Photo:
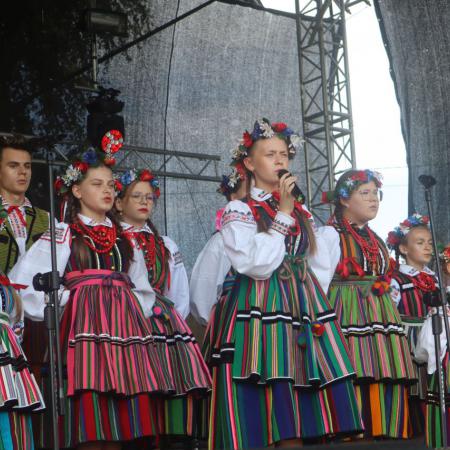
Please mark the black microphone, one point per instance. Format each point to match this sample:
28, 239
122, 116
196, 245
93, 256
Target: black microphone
296, 192
43, 282
427, 181
432, 298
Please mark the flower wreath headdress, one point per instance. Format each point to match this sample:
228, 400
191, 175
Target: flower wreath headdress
264, 129
445, 254
230, 183
91, 157
398, 233
125, 179
349, 184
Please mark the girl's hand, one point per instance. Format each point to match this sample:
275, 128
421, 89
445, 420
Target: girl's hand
287, 182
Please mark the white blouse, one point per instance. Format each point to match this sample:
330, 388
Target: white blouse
178, 292
325, 260
254, 254
240, 245
425, 351
38, 260
208, 275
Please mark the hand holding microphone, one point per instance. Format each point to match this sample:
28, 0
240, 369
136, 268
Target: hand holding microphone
289, 192
296, 191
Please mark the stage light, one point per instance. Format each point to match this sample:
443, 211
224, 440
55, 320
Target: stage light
102, 21
105, 127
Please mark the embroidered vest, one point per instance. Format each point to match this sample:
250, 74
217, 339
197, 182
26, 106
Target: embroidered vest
37, 224
411, 303
157, 262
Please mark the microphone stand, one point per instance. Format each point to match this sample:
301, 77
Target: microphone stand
50, 283
428, 182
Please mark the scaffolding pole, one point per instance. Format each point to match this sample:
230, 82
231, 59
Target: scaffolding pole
325, 97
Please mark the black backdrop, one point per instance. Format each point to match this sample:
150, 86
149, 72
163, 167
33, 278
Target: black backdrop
417, 38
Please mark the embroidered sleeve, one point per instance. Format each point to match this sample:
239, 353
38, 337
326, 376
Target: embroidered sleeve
282, 223
254, 254
62, 233
231, 215
38, 260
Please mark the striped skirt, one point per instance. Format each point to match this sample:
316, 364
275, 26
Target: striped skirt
280, 364
16, 431
178, 348
19, 393
112, 363
433, 429
380, 354
417, 393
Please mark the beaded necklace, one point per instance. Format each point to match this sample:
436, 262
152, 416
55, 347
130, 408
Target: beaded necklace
105, 237
369, 248
424, 282
147, 242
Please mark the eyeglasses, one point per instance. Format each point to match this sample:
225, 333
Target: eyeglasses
146, 198
369, 194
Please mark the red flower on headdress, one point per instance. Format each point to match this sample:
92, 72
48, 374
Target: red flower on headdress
112, 141
279, 127
247, 139
446, 254
393, 238
118, 186
425, 219
146, 175
58, 184
240, 169
81, 166
109, 161
359, 176
406, 223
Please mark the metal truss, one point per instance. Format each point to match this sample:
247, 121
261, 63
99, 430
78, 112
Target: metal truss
325, 102
194, 166
206, 167
325, 96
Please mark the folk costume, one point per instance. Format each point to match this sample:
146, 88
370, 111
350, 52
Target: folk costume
412, 291
357, 263
19, 392
212, 265
175, 343
20, 227
113, 370
279, 361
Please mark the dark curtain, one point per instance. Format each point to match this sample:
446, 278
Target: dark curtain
416, 34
